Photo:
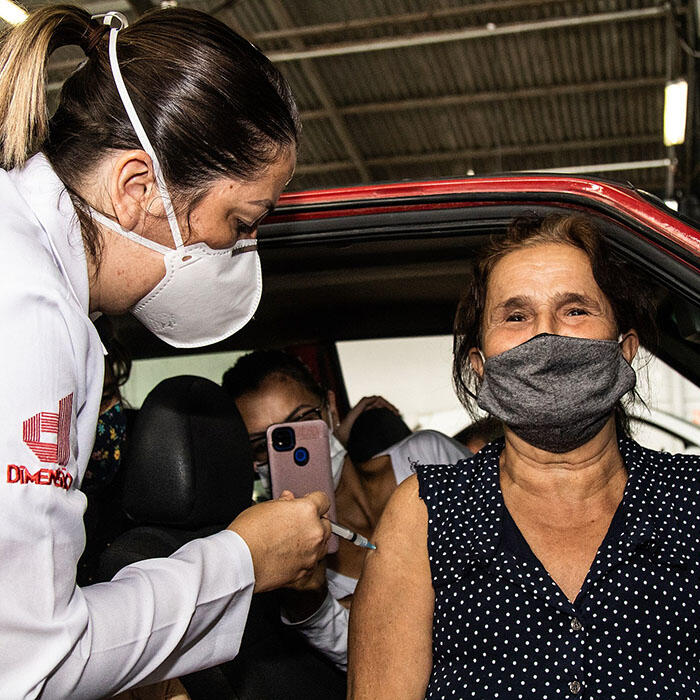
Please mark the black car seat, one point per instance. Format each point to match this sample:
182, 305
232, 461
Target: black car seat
188, 474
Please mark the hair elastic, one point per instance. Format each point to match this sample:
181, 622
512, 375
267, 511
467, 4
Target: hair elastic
107, 18
96, 34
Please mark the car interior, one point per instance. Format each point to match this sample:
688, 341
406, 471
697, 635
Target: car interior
339, 273
188, 473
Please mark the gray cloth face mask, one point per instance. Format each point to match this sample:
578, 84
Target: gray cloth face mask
556, 392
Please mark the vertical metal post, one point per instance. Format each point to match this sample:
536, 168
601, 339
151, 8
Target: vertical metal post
691, 141
670, 50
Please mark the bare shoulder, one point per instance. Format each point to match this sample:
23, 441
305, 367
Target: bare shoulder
402, 533
390, 653
400, 537
405, 509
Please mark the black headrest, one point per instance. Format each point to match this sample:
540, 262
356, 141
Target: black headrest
189, 462
373, 431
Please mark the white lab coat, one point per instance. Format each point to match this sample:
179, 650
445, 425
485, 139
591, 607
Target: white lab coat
156, 619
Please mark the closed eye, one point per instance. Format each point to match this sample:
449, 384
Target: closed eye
244, 229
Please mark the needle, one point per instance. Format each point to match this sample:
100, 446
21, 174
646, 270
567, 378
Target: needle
351, 536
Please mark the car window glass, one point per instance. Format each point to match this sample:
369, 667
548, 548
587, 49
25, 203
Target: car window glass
145, 374
671, 419
413, 373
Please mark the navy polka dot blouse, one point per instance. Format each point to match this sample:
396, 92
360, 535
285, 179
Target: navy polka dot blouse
503, 629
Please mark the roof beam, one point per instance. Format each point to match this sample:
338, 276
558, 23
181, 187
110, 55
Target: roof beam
312, 75
607, 167
404, 18
487, 96
439, 101
480, 153
466, 34
96, 7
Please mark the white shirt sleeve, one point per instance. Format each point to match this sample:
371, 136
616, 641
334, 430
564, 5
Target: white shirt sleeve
327, 630
156, 619
160, 618
424, 447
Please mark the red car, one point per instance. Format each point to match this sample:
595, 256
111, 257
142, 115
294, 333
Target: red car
390, 261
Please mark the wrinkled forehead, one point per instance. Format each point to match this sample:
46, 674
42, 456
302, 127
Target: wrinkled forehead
543, 271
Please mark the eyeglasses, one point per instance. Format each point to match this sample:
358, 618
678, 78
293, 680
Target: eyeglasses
258, 445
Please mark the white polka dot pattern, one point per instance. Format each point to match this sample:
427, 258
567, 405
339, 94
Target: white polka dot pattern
503, 629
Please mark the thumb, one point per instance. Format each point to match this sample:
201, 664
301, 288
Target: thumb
320, 501
286, 496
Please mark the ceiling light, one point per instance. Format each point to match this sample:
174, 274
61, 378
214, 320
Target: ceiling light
675, 108
11, 12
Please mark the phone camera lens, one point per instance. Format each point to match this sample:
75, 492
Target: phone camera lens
301, 456
283, 439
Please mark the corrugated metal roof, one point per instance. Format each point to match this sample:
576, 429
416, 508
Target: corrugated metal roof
503, 85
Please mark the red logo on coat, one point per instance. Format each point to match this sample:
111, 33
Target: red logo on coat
37, 432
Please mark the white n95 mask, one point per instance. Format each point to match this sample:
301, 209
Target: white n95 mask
206, 294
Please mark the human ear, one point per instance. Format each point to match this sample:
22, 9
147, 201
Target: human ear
629, 345
476, 360
132, 185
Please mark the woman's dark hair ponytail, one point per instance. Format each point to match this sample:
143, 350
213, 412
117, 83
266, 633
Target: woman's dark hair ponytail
25, 52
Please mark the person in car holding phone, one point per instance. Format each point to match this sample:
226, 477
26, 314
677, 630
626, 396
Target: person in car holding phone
562, 561
270, 387
142, 193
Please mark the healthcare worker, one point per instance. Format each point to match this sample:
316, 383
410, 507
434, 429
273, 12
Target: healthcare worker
149, 206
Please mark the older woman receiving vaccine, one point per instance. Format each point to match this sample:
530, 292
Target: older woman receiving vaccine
563, 560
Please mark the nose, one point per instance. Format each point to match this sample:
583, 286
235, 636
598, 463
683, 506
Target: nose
545, 322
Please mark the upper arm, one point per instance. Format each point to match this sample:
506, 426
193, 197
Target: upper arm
390, 640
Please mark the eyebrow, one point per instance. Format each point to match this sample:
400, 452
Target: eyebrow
266, 203
516, 302
574, 298
253, 437
560, 299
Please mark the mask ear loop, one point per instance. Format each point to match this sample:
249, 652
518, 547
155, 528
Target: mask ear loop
141, 240
136, 122
474, 372
621, 339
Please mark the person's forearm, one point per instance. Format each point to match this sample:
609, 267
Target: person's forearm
159, 619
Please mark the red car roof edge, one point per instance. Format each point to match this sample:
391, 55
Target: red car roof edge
617, 196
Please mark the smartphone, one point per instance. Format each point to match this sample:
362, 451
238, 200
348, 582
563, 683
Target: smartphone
300, 461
